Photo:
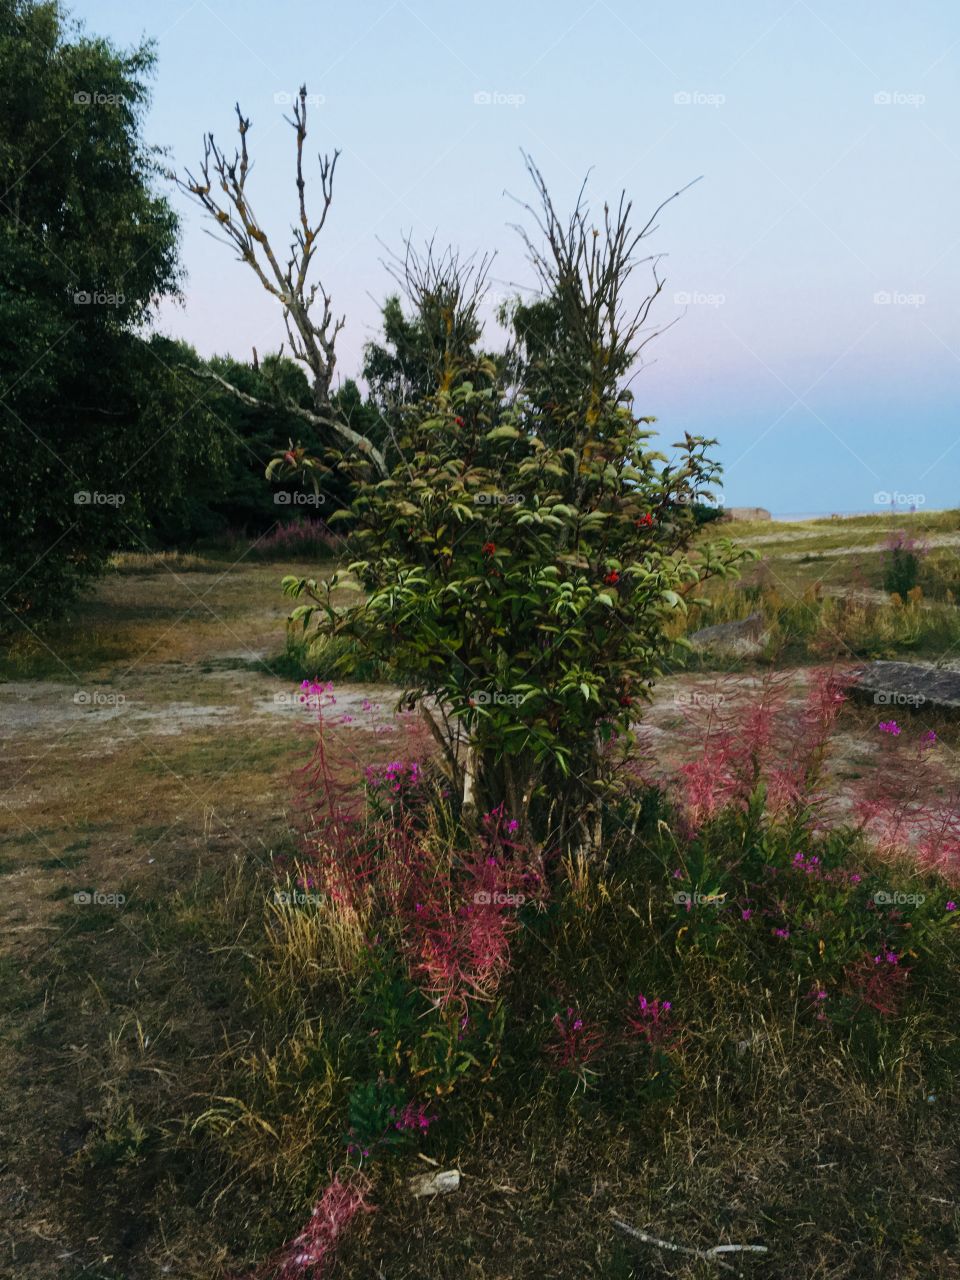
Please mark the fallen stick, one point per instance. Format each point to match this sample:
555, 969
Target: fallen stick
708, 1255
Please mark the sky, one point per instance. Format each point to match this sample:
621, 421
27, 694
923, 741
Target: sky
812, 271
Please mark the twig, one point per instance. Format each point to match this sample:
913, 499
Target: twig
708, 1255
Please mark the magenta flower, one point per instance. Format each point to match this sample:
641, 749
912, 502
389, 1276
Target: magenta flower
889, 726
653, 1022
951, 906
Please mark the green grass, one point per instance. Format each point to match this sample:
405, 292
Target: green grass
327, 658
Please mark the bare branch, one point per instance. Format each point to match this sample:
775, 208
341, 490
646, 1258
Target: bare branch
446, 292
221, 190
346, 434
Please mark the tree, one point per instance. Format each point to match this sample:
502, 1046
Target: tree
521, 561
92, 417
236, 497
221, 190
519, 544
441, 332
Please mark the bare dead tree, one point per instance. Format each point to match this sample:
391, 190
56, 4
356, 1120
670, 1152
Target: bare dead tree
221, 190
583, 270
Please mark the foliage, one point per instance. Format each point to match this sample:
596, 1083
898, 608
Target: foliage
902, 557
97, 426
523, 556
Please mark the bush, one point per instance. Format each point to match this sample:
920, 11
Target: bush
902, 557
522, 557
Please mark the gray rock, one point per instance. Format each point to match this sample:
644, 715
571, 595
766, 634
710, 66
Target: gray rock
899, 686
746, 513
744, 638
432, 1184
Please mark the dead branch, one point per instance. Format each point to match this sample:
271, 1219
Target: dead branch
222, 191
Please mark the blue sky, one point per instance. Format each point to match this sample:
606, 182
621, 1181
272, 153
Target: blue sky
813, 271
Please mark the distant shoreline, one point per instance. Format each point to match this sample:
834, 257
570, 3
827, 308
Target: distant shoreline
787, 517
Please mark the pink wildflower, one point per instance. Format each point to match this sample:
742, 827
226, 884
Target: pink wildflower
316, 1244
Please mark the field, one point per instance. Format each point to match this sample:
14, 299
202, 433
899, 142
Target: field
180, 1059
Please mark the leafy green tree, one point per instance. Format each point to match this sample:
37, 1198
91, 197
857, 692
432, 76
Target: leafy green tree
93, 417
522, 560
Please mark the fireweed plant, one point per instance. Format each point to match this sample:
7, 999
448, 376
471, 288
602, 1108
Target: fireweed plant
770, 858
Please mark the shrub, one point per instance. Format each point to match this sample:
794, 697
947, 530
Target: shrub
902, 556
523, 556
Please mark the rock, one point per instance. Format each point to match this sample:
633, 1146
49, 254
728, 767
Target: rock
742, 639
746, 513
898, 686
431, 1184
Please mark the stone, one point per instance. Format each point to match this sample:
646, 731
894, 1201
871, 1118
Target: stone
746, 513
432, 1184
900, 686
744, 638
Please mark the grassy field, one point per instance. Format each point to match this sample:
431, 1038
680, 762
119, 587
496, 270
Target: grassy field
181, 1061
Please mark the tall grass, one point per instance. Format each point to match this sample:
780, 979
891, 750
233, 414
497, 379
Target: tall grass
813, 625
